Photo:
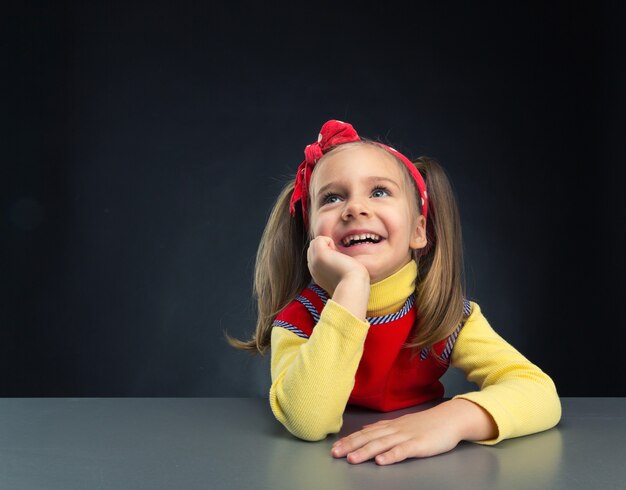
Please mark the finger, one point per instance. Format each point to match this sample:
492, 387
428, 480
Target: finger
326, 242
412, 448
374, 448
364, 431
357, 440
320, 245
394, 455
322, 240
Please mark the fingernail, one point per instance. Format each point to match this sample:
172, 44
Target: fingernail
353, 458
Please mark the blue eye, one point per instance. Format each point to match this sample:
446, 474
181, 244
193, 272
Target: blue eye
330, 198
380, 192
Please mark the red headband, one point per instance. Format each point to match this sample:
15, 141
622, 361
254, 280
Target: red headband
335, 133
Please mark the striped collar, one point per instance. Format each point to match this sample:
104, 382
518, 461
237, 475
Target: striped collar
389, 295
372, 320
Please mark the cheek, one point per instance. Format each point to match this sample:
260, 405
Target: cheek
314, 224
319, 228
409, 223
322, 224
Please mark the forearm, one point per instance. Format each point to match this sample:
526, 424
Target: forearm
353, 293
519, 396
518, 406
312, 379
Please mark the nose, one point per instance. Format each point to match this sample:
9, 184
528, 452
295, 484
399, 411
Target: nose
355, 207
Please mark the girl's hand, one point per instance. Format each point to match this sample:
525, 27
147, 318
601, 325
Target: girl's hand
345, 278
417, 435
329, 267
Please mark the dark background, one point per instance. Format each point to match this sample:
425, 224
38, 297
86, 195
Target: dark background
143, 147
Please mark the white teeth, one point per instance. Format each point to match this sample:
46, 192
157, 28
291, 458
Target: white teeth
363, 236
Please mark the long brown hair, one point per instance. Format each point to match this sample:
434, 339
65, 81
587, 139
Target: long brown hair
439, 287
281, 270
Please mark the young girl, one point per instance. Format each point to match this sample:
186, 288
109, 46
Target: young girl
358, 278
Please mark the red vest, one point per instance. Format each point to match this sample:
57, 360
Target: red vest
389, 377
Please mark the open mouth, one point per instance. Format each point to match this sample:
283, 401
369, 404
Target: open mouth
351, 240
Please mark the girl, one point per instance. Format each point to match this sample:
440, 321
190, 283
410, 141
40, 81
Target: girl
358, 279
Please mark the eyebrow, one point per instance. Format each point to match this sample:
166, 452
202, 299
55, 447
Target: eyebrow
371, 180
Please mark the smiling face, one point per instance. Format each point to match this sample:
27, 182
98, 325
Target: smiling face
361, 199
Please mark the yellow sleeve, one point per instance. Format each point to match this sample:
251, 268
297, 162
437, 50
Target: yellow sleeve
520, 397
312, 379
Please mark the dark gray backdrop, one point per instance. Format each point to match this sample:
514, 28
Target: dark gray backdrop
143, 147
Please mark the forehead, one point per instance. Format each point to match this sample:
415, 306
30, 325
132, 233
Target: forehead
353, 161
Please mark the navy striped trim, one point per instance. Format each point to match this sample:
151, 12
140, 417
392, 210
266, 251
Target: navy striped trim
310, 308
319, 291
447, 350
372, 320
467, 307
290, 327
378, 320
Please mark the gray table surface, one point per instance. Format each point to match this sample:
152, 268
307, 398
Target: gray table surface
235, 443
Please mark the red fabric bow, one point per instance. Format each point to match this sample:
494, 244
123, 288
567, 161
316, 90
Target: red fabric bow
335, 133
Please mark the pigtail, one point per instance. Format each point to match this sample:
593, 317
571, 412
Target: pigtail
439, 290
280, 272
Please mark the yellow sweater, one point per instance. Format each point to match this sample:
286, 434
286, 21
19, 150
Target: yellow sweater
312, 378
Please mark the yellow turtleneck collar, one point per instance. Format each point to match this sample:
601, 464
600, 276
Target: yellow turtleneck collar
390, 294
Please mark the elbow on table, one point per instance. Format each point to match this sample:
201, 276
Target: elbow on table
550, 403
556, 409
308, 425
307, 432
546, 409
